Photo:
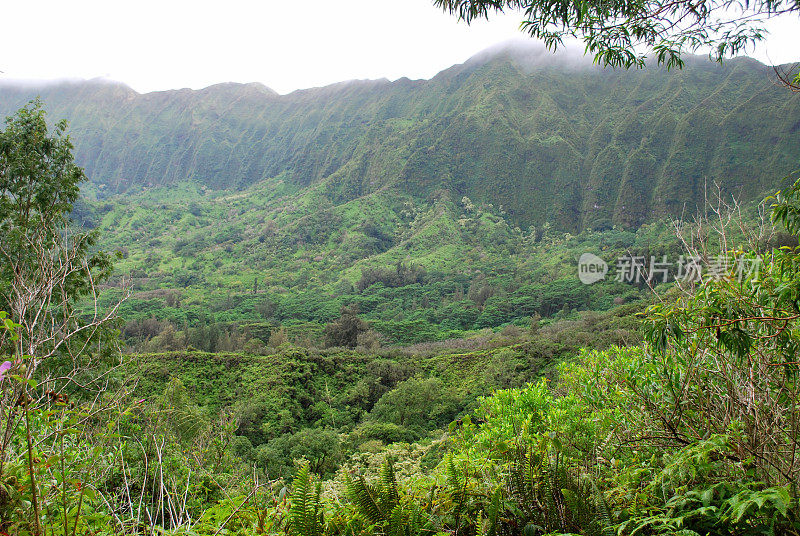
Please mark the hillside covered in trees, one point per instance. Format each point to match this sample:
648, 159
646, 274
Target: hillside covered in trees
550, 138
438, 207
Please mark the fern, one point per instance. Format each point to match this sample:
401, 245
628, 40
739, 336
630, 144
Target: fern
381, 505
493, 515
376, 502
458, 484
366, 499
547, 497
603, 516
306, 515
389, 483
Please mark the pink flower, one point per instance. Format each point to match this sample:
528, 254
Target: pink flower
4, 368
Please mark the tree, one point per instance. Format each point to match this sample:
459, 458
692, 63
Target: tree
49, 271
321, 448
621, 33
48, 267
723, 355
417, 404
345, 330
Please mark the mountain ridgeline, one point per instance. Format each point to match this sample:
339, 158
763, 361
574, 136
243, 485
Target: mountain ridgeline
548, 138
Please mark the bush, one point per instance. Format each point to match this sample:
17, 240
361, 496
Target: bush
345, 331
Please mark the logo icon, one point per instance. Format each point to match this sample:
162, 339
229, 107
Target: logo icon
591, 268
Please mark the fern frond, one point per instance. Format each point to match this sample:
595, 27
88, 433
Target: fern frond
494, 512
603, 515
366, 499
389, 483
306, 515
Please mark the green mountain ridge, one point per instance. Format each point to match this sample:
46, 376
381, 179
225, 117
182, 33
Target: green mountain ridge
547, 138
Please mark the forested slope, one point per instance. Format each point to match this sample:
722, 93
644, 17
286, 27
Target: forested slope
550, 139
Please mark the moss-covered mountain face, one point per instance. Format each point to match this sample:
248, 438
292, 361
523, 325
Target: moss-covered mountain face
548, 138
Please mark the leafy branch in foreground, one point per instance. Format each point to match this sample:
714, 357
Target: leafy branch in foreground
727, 355
615, 31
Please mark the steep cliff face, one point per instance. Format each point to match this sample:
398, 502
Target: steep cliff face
550, 138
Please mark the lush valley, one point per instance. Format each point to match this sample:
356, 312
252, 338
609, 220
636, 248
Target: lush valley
356, 310
294, 402
416, 271
438, 207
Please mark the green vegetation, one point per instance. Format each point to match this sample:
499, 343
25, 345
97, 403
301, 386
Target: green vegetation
685, 434
336, 402
340, 341
550, 139
232, 291
438, 208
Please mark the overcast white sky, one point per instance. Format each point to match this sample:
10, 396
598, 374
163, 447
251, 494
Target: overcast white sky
164, 44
